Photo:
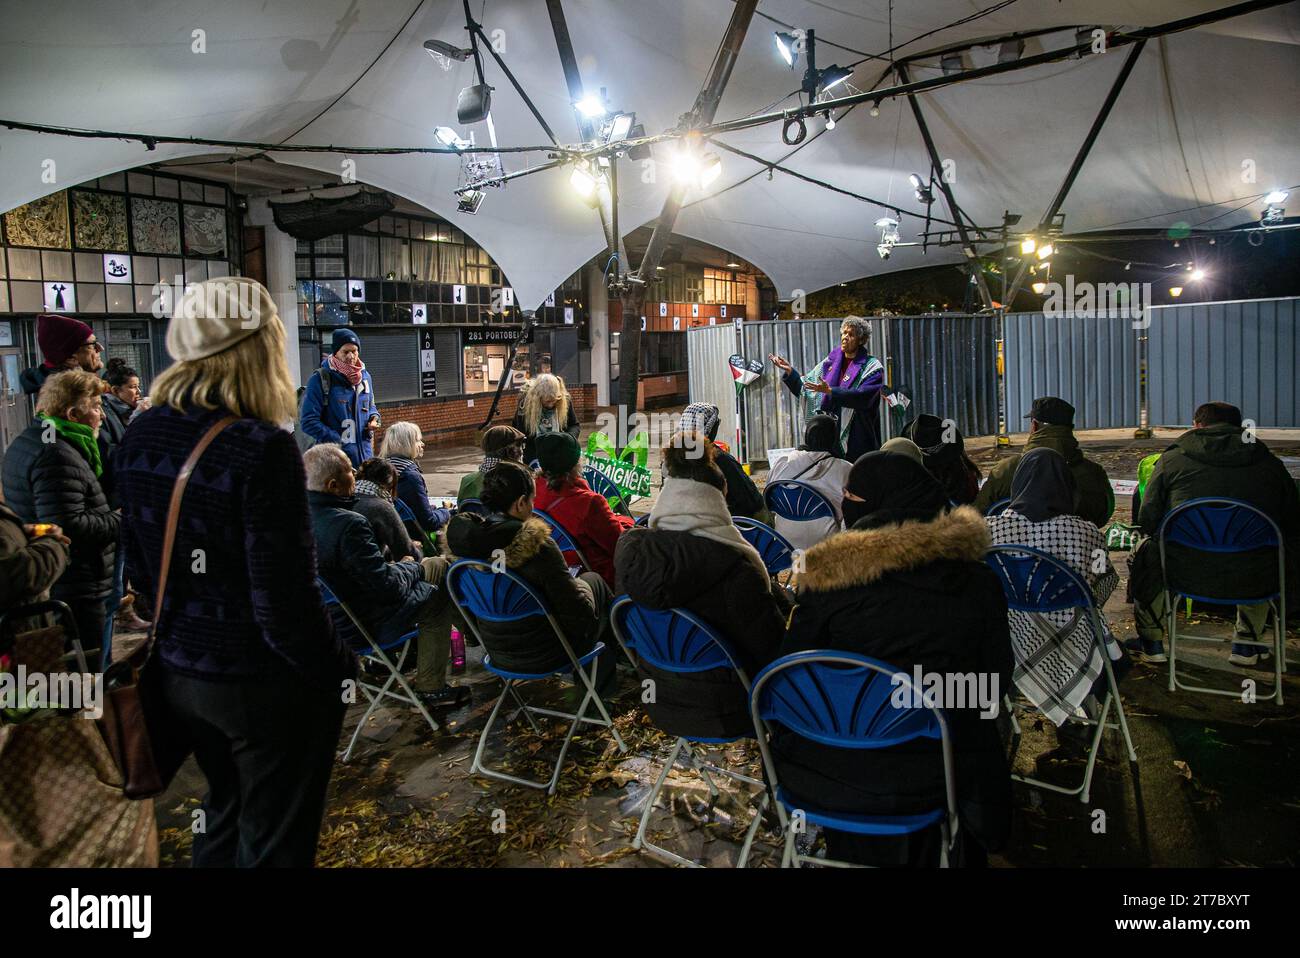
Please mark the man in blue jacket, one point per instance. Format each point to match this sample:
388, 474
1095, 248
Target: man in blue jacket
339, 404
388, 597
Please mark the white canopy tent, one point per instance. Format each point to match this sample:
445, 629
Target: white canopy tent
1202, 110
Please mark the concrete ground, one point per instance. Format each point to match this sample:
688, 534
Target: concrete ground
1217, 781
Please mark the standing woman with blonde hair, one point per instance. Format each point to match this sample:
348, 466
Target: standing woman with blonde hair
544, 407
251, 670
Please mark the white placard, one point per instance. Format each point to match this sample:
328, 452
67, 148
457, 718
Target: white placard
427, 364
643, 324
713, 320
6, 334
356, 291
60, 297
550, 300
419, 313
663, 309
458, 295
736, 323
507, 296
117, 268
568, 315
1124, 487
695, 309
677, 324
722, 311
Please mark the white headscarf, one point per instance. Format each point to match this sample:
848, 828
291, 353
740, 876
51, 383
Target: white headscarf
685, 505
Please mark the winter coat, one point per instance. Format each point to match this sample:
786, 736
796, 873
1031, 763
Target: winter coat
587, 518
916, 593
251, 611
1094, 500
571, 426
388, 597
323, 418
116, 416
53, 482
718, 585
743, 497
1218, 461
471, 486
33, 379
412, 491
28, 567
526, 645
825, 473
387, 526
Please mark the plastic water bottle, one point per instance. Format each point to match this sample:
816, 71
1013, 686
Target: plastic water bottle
457, 652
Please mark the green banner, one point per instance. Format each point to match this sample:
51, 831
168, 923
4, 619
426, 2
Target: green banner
630, 478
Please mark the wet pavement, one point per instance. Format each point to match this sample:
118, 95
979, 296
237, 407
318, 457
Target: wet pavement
1217, 780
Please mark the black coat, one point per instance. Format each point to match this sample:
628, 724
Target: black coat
527, 645
718, 585
918, 593
53, 482
33, 378
388, 597
255, 612
743, 497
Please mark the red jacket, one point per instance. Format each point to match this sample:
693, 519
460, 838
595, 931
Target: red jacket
586, 517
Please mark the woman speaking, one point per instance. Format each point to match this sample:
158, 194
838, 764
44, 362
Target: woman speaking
847, 386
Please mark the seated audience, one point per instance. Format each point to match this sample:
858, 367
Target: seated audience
819, 463
691, 556
905, 447
1051, 426
906, 584
1057, 669
545, 406
580, 604
1217, 458
564, 495
376, 489
389, 597
52, 474
743, 497
402, 445
499, 442
943, 452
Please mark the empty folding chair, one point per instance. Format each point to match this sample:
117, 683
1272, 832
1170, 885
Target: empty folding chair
482, 595
566, 542
997, 508
775, 549
674, 640
846, 700
1037, 583
370, 649
1223, 527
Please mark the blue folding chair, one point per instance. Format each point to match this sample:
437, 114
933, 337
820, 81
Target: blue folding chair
602, 486
846, 700
674, 640
350, 628
643, 520
797, 501
562, 538
1223, 527
996, 509
775, 549
1037, 582
484, 595
472, 506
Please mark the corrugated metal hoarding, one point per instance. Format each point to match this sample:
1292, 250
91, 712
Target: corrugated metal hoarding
1091, 362
1246, 353
947, 364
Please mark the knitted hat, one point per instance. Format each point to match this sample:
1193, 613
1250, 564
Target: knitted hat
701, 417
342, 336
60, 336
557, 452
216, 314
500, 438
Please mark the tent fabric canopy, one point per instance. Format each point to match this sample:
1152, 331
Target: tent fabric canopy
1204, 125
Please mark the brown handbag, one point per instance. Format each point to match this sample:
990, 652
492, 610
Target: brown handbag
145, 742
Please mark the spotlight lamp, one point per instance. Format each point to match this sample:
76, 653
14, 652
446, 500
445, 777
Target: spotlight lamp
449, 137
1277, 197
1028, 245
582, 181
1175, 291
1046, 250
832, 76
1197, 275
1039, 287
468, 201
619, 127
787, 45
474, 104
441, 48
590, 106
922, 191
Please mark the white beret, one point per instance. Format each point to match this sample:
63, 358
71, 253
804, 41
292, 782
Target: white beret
216, 314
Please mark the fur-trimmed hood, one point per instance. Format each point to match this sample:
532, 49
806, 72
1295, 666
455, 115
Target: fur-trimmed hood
471, 536
860, 557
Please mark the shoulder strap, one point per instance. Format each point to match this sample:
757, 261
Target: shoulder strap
174, 512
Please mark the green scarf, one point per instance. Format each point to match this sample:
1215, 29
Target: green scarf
83, 437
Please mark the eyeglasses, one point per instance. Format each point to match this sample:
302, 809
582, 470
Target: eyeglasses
95, 345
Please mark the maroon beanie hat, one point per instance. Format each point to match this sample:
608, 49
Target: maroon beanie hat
60, 336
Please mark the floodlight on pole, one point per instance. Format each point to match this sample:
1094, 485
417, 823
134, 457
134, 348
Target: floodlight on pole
590, 106
1028, 245
1175, 291
832, 76
619, 127
1046, 250
1038, 287
441, 48
1197, 275
1277, 197
583, 183
787, 45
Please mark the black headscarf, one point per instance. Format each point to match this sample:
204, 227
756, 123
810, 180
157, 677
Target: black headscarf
822, 434
893, 488
1043, 486
947, 461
